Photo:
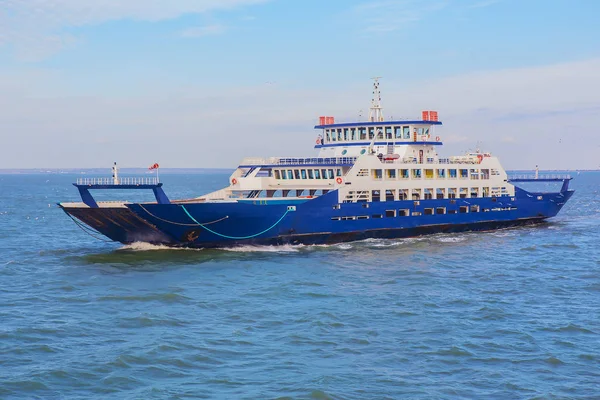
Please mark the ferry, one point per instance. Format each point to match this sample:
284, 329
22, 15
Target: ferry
373, 179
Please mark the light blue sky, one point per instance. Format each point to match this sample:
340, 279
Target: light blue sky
203, 83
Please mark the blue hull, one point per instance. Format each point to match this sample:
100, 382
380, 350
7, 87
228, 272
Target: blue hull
322, 221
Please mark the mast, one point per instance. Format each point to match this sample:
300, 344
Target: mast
376, 112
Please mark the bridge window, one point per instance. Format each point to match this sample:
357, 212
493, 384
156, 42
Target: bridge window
327, 135
290, 174
340, 135
363, 133
338, 172
303, 173
388, 132
353, 134
377, 174
371, 133
317, 174
323, 174
297, 174
277, 175
474, 174
379, 133
441, 173
485, 174
346, 134
406, 132
310, 174
398, 132
330, 173
452, 173
464, 173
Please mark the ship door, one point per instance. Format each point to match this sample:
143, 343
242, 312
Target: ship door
420, 156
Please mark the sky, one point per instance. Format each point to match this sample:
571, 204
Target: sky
205, 83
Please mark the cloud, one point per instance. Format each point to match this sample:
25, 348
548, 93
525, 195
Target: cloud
392, 15
200, 31
36, 27
550, 111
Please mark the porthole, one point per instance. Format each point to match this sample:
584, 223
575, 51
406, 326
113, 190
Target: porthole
363, 151
344, 152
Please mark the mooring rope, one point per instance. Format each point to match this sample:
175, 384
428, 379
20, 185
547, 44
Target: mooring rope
182, 224
235, 237
88, 230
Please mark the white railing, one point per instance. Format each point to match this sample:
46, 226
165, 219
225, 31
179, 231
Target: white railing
121, 181
544, 176
276, 161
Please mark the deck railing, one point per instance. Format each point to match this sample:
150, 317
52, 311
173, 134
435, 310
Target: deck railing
276, 161
121, 181
541, 176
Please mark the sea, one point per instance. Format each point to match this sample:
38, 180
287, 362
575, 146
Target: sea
507, 314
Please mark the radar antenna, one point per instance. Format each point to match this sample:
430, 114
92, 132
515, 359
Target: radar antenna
376, 112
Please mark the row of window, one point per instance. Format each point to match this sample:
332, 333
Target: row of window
354, 196
382, 132
323, 173
426, 211
431, 173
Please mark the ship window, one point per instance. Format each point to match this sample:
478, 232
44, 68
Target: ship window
464, 173
390, 194
474, 192
362, 217
428, 174
336, 206
441, 173
333, 135
346, 130
352, 133
303, 173
340, 135
416, 173
348, 218
365, 205
327, 135
464, 209
390, 173
377, 216
428, 211
330, 173
440, 193
426, 131
406, 131
463, 193
338, 172
420, 131
440, 210
379, 133
377, 174
375, 195
428, 194
390, 213
323, 174
485, 174
277, 176
297, 174
474, 209
388, 132
363, 133
416, 214
310, 174
398, 132
451, 193
317, 174
403, 213
474, 174
290, 174
336, 218
371, 133
404, 174
403, 194
451, 211
452, 173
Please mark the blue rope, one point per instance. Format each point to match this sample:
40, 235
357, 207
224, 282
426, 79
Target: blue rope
235, 237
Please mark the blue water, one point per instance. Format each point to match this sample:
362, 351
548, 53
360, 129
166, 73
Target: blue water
509, 314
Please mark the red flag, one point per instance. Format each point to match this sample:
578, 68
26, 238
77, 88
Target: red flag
153, 166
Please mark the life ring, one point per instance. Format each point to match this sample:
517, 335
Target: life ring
233, 181
480, 157
319, 139
338, 180
437, 138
